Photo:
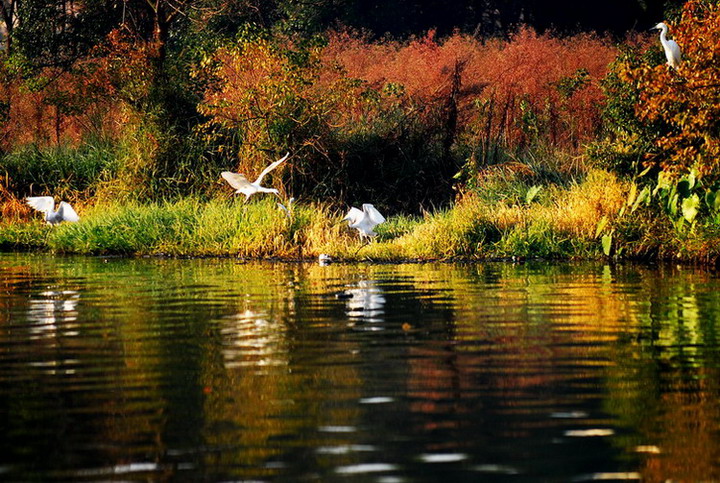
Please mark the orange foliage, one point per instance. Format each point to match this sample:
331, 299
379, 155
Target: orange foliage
687, 101
94, 97
276, 101
530, 84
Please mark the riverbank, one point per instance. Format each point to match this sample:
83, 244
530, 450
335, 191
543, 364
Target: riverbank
582, 220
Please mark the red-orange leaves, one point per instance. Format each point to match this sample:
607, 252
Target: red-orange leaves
686, 101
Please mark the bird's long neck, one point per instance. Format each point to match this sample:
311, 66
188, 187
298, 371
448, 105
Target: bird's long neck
663, 34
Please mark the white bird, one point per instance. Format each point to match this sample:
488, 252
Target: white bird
46, 204
364, 221
242, 185
671, 48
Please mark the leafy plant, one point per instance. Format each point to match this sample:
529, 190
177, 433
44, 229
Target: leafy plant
683, 104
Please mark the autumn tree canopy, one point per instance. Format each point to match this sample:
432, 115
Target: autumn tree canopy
683, 105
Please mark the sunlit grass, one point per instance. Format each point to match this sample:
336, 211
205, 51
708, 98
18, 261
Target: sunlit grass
560, 222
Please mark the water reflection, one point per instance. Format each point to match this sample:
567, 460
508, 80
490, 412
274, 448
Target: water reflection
365, 301
252, 339
51, 309
220, 370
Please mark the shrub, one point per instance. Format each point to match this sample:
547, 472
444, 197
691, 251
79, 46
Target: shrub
683, 105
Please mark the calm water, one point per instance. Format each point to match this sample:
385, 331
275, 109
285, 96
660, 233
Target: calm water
117, 369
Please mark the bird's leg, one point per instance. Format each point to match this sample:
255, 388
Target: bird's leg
367, 242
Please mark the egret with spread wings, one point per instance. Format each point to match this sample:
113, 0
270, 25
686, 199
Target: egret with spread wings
242, 185
46, 204
364, 220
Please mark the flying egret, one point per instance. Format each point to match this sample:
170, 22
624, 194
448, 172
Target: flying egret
242, 185
671, 48
364, 221
46, 204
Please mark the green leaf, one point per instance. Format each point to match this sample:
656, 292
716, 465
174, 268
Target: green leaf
672, 205
607, 243
643, 196
644, 172
601, 226
632, 194
532, 193
690, 207
710, 198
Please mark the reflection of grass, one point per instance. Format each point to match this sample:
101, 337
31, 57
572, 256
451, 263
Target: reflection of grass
560, 222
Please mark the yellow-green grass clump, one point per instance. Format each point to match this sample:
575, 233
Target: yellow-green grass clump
560, 222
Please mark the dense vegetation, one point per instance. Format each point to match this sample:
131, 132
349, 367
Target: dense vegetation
493, 139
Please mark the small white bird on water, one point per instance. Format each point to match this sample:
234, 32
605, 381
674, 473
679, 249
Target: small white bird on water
671, 48
364, 221
242, 185
46, 204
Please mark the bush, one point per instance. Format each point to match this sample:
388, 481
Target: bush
677, 111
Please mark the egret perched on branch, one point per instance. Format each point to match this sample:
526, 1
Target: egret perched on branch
364, 221
671, 48
46, 204
242, 185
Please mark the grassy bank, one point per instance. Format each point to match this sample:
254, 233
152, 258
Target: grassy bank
514, 220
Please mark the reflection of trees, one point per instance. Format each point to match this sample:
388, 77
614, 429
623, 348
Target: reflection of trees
220, 369
665, 385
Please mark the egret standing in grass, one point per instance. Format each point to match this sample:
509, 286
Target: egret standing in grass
242, 185
364, 221
46, 204
671, 48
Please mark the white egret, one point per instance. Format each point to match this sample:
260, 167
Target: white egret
364, 221
242, 185
671, 48
46, 204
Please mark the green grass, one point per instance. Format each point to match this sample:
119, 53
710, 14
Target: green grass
62, 170
560, 223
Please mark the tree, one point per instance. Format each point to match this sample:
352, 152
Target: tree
684, 104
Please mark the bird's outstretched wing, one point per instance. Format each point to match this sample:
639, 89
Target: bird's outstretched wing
373, 214
67, 213
236, 180
272, 166
354, 215
46, 204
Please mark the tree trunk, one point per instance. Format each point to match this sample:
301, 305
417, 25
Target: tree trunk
7, 9
160, 31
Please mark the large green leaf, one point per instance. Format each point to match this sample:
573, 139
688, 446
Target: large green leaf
643, 196
690, 207
607, 243
601, 226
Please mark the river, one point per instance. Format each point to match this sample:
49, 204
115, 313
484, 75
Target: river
222, 370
